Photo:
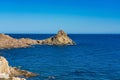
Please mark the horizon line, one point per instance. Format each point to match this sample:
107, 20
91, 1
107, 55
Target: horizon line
56, 33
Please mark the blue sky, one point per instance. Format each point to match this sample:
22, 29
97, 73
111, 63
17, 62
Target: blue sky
48, 16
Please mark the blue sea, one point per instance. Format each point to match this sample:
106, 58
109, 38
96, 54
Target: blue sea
95, 57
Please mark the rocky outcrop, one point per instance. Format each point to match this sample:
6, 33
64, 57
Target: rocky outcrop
59, 39
12, 73
17, 72
8, 42
4, 67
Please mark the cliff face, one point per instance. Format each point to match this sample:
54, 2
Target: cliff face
60, 38
10, 73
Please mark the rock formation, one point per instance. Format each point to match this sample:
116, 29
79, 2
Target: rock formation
59, 39
12, 73
8, 42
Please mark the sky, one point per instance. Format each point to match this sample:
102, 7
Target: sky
49, 16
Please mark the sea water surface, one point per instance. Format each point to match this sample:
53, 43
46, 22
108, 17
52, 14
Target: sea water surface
95, 57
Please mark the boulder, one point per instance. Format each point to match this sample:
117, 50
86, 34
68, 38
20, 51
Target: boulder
4, 67
12, 73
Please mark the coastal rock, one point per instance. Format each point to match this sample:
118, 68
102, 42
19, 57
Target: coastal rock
12, 78
61, 38
17, 72
4, 67
16, 78
12, 73
8, 42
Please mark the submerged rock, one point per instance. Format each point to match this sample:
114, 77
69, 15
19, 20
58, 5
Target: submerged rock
60, 38
51, 77
12, 73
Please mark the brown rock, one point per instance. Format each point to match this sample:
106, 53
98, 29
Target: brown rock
60, 38
4, 67
3, 36
16, 78
17, 72
13, 78
12, 73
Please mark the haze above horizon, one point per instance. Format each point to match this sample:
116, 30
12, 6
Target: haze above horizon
49, 16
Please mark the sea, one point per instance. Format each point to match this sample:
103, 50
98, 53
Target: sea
94, 57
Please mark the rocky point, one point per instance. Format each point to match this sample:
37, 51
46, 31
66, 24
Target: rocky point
61, 38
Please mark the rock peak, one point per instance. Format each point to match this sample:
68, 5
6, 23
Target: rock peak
60, 38
61, 33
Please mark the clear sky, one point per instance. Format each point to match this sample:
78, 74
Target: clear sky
48, 16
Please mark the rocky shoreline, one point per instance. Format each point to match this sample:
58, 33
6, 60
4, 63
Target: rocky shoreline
12, 73
61, 38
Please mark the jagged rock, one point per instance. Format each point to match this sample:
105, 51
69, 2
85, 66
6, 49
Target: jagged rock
12, 73
60, 38
4, 67
17, 72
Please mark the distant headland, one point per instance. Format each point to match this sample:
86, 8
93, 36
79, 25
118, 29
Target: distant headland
61, 38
